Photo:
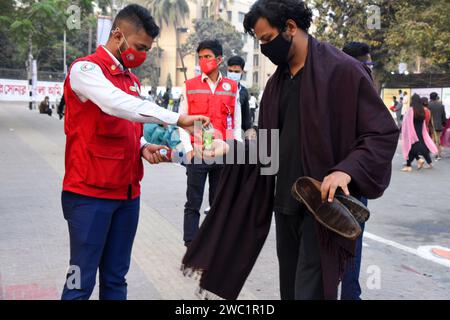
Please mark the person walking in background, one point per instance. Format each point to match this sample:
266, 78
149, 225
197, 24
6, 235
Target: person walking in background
439, 119
399, 112
150, 96
428, 122
61, 107
236, 67
415, 138
445, 137
405, 101
166, 98
394, 104
253, 103
397, 109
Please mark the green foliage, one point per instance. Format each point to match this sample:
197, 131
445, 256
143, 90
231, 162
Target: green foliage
168, 12
411, 31
221, 30
42, 24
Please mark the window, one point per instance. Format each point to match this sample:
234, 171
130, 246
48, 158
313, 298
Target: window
205, 12
230, 16
256, 60
256, 44
255, 78
241, 17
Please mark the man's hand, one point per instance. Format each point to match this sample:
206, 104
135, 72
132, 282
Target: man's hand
331, 183
150, 152
219, 148
187, 122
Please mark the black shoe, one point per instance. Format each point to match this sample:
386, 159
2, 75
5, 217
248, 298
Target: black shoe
335, 215
356, 207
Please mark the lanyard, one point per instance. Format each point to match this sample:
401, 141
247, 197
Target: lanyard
229, 118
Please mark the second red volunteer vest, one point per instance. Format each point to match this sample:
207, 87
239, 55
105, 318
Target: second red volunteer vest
102, 152
218, 106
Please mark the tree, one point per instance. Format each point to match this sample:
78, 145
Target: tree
32, 35
38, 28
425, 45
221, 30
9, 54
342, 21
411, 31
171, 12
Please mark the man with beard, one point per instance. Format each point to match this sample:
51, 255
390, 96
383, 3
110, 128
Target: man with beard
333, 127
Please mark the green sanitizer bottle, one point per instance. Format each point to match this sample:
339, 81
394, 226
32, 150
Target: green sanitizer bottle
208, 136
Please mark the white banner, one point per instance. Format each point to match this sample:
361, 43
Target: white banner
104, 25
446, 100
18, 90
425, 92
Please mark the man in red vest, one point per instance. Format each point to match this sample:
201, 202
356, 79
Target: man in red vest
104, 146
212, 95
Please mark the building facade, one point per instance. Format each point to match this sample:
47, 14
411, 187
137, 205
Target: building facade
258, 68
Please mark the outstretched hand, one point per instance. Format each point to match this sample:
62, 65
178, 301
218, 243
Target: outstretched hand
151, 153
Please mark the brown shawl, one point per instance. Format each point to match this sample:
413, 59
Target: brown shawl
344, 126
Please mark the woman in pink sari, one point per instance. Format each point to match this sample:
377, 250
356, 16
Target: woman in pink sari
416, 140
445, 137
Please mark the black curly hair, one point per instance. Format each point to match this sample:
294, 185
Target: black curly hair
277, 12
356, 49
139, 17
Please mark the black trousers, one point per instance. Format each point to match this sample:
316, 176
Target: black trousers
298, 257
252, 116
418, 149
196, 179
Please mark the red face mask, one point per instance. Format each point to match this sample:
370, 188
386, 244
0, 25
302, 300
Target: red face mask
132, 58
208, 65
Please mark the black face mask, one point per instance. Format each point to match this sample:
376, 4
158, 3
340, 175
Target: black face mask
277, 50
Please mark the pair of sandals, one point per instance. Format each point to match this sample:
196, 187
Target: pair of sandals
420, 165
342, 216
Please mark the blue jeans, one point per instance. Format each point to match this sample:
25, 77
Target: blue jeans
101, 237
351, 289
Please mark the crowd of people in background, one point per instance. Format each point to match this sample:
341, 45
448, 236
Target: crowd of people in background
422, 126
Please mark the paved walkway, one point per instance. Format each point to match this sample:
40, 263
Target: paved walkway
411, 220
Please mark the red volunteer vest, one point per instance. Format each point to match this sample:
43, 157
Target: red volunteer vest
217, 106
103, 158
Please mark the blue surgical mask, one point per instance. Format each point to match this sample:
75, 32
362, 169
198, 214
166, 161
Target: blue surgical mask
234, 76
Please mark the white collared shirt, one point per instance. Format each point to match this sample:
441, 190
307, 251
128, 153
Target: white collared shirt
184, 109
89, 83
